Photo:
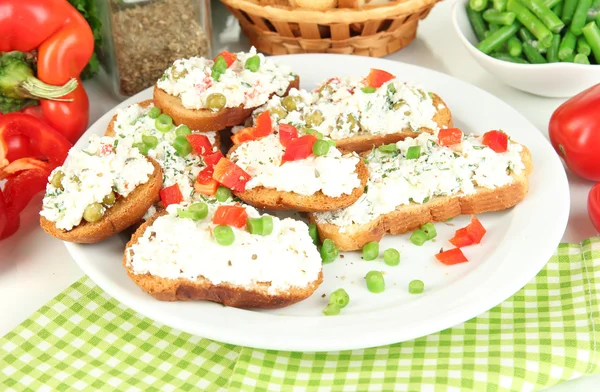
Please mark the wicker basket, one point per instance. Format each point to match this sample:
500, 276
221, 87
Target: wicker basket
369, 31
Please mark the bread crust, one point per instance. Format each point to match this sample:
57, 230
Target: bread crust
443, 118
124, 213
205, 120
410, 217
256, 297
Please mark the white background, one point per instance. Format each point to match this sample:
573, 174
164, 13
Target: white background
34, 267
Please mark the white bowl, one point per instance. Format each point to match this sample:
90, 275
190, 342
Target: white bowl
549, 80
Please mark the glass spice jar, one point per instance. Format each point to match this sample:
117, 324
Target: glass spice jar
141, 38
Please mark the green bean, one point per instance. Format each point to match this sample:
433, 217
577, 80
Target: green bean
581, 58
531, 22
515, 48
533, 55
557, 9
493, 27
567, 46
497, 17
583, 46
496, 39
507, 57
598, 19
477, 23
478, 5
552, 55
525, 35
592, 35
568, 11
500, 5
552, 3
545, 14
579, 16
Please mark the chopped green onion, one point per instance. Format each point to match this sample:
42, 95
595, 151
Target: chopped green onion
391, 257
183, 130
331, 142
329, 252
219, 67
154, 112
418, 237
141, 147
254, 225
267, 224
413, 152
370, 251
375, 282
150, 141
223, 235
182, 146
199, 208
223, 193
313, 233
416, 287
391, 88
164, 123
320, 148
253, 63
430, 230
368, 90
310, 131
339, 298
388, 147
331, 310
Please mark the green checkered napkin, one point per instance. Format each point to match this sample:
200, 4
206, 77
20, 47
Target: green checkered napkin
546, 333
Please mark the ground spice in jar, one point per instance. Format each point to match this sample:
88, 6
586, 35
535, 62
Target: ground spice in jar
149, 36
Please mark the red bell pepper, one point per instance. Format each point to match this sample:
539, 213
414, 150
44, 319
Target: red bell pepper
461, 238
243, 135
263, 127
205, 184
235, 216
496, 140
213, 158
594, 206
299, 148
228, 57
377, 78
287, 133
64, 43
231, 175
200, 144
574, 131
449, 136
451, 257
171, 195
469, 235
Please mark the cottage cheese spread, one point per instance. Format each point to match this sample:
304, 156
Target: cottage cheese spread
133, 123
89, 176
174, 247
346, 110
334, 174
190, 79
440, 171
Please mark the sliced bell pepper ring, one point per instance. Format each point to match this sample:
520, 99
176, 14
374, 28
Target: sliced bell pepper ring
461, 238
200, 144
377, 78
299, 148
171, 195
449, 136
287, 133
496, 140
213, 158
231, 175
235, 216
451, 257
228, 57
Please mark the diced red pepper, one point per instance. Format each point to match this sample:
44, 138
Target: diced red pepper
475, 230
243, 135
377, 77
213, 158
287, 133
449, 136
264, 125
496, 140
451, 257
171, 195
231, 175
461, 238
228, 57
235, 216
206, 175
299, 148
200, 144
208, 188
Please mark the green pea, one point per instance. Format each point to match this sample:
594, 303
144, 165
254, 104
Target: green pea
320, 148
216, 101
351, 120
326, 90
279, 112
291, 103
109, 199
314, 118
93, 212
56, 180
154, 112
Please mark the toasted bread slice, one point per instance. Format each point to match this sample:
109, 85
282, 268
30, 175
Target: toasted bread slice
124, 213
228, 294
443, 118
406, 218
205, 120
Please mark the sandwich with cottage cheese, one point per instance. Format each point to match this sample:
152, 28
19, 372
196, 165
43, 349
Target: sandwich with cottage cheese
99, 191
432, 177
211, 95
361, 112
230, 254
291, 171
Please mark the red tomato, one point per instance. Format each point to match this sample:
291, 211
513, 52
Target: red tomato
496, 140
19, 146
475, 230
451, 257
200, 144
228, 57
594, 206
213, 158
287, 133
449, 136
171, 195
208, 188
574, 131
299, 148
231, 175
461, 238
206, 175
378, 77
235, 216
264, 125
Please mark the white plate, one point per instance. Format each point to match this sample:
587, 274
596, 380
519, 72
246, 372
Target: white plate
517, 245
